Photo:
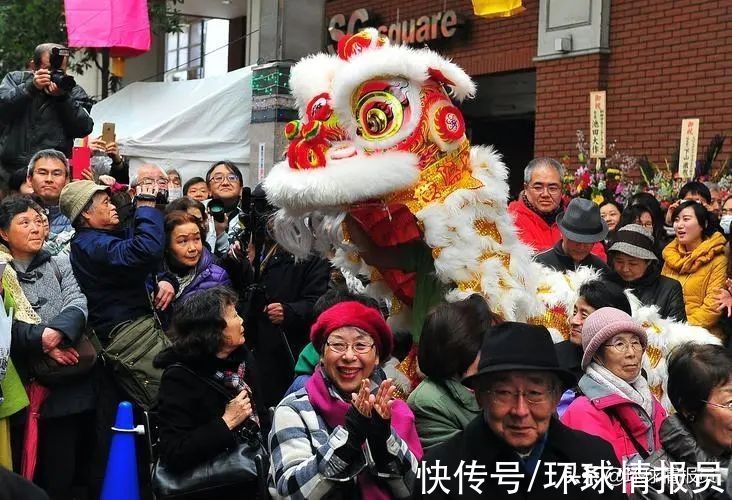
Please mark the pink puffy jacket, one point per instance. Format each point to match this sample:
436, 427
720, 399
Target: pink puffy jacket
592, 417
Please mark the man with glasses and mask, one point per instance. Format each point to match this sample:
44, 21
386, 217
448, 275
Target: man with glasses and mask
517, 447
535, 212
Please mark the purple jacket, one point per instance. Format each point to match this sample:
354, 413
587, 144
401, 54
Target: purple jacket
208, 275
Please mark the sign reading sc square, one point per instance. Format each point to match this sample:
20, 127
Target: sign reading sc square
442, 25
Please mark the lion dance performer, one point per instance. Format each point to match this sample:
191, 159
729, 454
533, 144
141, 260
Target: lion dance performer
381, 178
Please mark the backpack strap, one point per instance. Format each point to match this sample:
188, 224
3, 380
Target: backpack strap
640, 449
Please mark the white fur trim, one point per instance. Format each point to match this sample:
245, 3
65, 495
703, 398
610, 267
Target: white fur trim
389, 62
311, 76
342, 182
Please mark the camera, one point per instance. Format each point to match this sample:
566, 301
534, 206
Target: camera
58, 76
217, 210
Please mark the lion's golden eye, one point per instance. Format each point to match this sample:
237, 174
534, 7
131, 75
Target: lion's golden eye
380, 114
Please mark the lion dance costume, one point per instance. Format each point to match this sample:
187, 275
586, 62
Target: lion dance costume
380, 141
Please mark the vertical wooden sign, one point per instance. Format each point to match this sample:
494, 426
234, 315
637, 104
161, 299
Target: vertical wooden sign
688, 147
597, 124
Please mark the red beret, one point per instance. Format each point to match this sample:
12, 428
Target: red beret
357, 315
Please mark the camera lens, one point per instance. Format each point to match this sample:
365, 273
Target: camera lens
217, 210
63, 81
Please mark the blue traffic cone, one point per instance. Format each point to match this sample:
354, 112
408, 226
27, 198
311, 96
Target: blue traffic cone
120, 480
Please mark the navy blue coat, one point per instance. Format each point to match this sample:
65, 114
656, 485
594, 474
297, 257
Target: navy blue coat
112, 267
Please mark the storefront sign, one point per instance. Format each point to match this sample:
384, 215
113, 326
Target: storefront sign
597, 124
437, 26
688, 148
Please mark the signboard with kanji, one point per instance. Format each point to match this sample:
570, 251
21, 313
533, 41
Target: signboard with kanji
688, 147
597, 124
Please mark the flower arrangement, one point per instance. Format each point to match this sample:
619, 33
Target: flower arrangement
599, 181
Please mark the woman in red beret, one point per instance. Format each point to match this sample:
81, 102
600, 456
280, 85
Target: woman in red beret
344, 434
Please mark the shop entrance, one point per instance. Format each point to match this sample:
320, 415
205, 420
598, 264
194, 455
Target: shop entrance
503, 115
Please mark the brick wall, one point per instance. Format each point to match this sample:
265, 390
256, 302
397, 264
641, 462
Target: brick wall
493, 46
667, 61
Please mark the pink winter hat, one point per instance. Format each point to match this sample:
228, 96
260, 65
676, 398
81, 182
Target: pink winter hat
604, 324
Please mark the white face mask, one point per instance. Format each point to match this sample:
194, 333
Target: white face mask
725, 222
174, 193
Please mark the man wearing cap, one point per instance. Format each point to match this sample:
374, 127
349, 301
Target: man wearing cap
635, 267
517, 448
581, 227
536, 212
111, 265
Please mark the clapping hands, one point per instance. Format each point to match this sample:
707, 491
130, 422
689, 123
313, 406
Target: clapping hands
381, 402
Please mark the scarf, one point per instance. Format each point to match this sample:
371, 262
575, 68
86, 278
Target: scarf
636, 391
234, 379
333, 410
550, 218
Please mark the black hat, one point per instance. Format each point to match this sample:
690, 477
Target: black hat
581, 222
518, 346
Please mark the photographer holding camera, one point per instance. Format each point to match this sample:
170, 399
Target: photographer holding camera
41, 109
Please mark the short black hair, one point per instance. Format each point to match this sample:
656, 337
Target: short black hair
199, 322
14, 205
695, 187
17, 179
694, 370
190, 182
602, 293
229, 166
632, 214
183, 204
613, 203
336, 296
703, 217
452, 335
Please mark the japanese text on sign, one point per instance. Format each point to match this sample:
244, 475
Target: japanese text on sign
597, 124
688, 148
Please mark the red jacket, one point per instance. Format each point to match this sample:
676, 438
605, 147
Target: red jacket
535, 232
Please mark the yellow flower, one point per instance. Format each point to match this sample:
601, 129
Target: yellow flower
598, 198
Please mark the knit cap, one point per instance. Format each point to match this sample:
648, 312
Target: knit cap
355, 314
604, 324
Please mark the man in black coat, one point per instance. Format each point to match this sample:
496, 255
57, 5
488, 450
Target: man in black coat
37, 113
581, 227
517, 449
282, 329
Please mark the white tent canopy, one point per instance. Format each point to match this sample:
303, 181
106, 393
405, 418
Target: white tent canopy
184, 125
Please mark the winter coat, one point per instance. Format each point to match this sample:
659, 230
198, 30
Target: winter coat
190, 410
441, 408
112, 267
680, 445
538, 233
480, 444
556, 259
597, 412
652, 289
297, 286
31, 120
701, 273
208, 275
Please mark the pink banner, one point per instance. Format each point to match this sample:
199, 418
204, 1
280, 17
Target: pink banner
121, 25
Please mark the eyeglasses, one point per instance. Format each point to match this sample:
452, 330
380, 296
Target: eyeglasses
147, 181
540, 188
506, 397
219, 178
358, 347
728, 406
622, 347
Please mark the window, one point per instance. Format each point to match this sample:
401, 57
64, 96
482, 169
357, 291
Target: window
184, 52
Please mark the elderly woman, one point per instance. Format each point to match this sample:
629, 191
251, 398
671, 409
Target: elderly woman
448, 352
207, 397
188, 260
696, 259
635, 267
214, 234
616, 403
322, 434
700, 388
54, 313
